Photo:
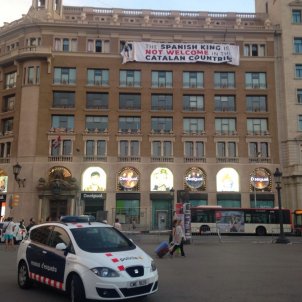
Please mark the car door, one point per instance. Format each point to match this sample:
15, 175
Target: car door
35, 250
54, 259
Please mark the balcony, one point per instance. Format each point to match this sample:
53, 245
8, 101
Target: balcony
30, 52
94, 158
127, 159
162, 159
192, 159
233, 160
62, 158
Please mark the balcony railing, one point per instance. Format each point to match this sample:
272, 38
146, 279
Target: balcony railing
192, 159
62, 158
129, 159
227, 160
96, 158
162, 159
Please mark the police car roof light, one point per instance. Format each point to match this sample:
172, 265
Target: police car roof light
81, 218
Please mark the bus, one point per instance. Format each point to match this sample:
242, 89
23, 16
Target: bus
259, 221
297, 222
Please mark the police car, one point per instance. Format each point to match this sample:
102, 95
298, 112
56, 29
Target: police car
87, 260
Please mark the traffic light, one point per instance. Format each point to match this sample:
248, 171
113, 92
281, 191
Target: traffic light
16, 198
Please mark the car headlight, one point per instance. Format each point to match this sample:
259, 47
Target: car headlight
153, 266
105, 272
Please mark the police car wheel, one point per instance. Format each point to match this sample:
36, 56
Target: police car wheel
23, 276
77, 291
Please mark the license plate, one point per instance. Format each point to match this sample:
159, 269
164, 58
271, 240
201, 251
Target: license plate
138, 283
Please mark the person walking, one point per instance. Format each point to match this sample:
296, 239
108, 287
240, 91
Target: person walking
117, 224
9, 228
31, 224
178, 239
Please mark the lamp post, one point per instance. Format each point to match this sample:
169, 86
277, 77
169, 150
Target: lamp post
277, 176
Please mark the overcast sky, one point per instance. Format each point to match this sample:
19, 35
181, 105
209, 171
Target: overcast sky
13, 9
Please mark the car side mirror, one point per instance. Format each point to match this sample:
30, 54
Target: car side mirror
61, 246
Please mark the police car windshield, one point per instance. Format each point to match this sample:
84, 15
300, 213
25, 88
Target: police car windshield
101, 240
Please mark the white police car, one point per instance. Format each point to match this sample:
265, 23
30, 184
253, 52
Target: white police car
88, 260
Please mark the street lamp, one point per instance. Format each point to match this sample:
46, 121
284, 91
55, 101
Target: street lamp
277, 176
16, 170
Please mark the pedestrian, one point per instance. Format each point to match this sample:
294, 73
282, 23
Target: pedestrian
22, 228
31, 224
178, 239
133, 224
172, 231
9, 228
117, 224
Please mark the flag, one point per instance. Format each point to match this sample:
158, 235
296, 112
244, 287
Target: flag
56, 142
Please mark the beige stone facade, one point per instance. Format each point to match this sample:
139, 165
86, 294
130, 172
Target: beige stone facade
287, 15
69, 104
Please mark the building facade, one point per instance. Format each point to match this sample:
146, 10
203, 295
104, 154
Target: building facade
288, 16
98, 131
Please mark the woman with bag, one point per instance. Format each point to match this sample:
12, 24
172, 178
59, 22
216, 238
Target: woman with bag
178, 239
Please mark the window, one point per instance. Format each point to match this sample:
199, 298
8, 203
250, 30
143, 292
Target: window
96, 100
254, 50
256, 103
5, 149
161, 79
224, 79
99, 123
63, 99
225, 103
193, 125
129, 123
9, 103
130, 78
299, 96
7, 125
33, 41
98, 46
65, 44
63, 122
31, 75
300, 123
64, 76
193, 102
129, 148
226, 149
192, 79
258, 149
162, 124
64, 147
130, 101
161, 102
194, 149
255, 80
257, 125
296, 16
162, 149
225, 125
97, 77
297, 45
10, 80
96, 148
298, 71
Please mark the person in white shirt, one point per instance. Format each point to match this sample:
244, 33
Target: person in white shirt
117, 224
9, 227
178, 239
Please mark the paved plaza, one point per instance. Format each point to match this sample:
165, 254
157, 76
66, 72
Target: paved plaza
230, 269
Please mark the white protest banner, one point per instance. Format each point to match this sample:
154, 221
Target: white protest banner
180, 53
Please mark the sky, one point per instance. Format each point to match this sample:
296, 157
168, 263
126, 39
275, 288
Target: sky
13, 9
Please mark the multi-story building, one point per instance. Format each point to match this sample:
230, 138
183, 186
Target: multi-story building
287, 14
94, 135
